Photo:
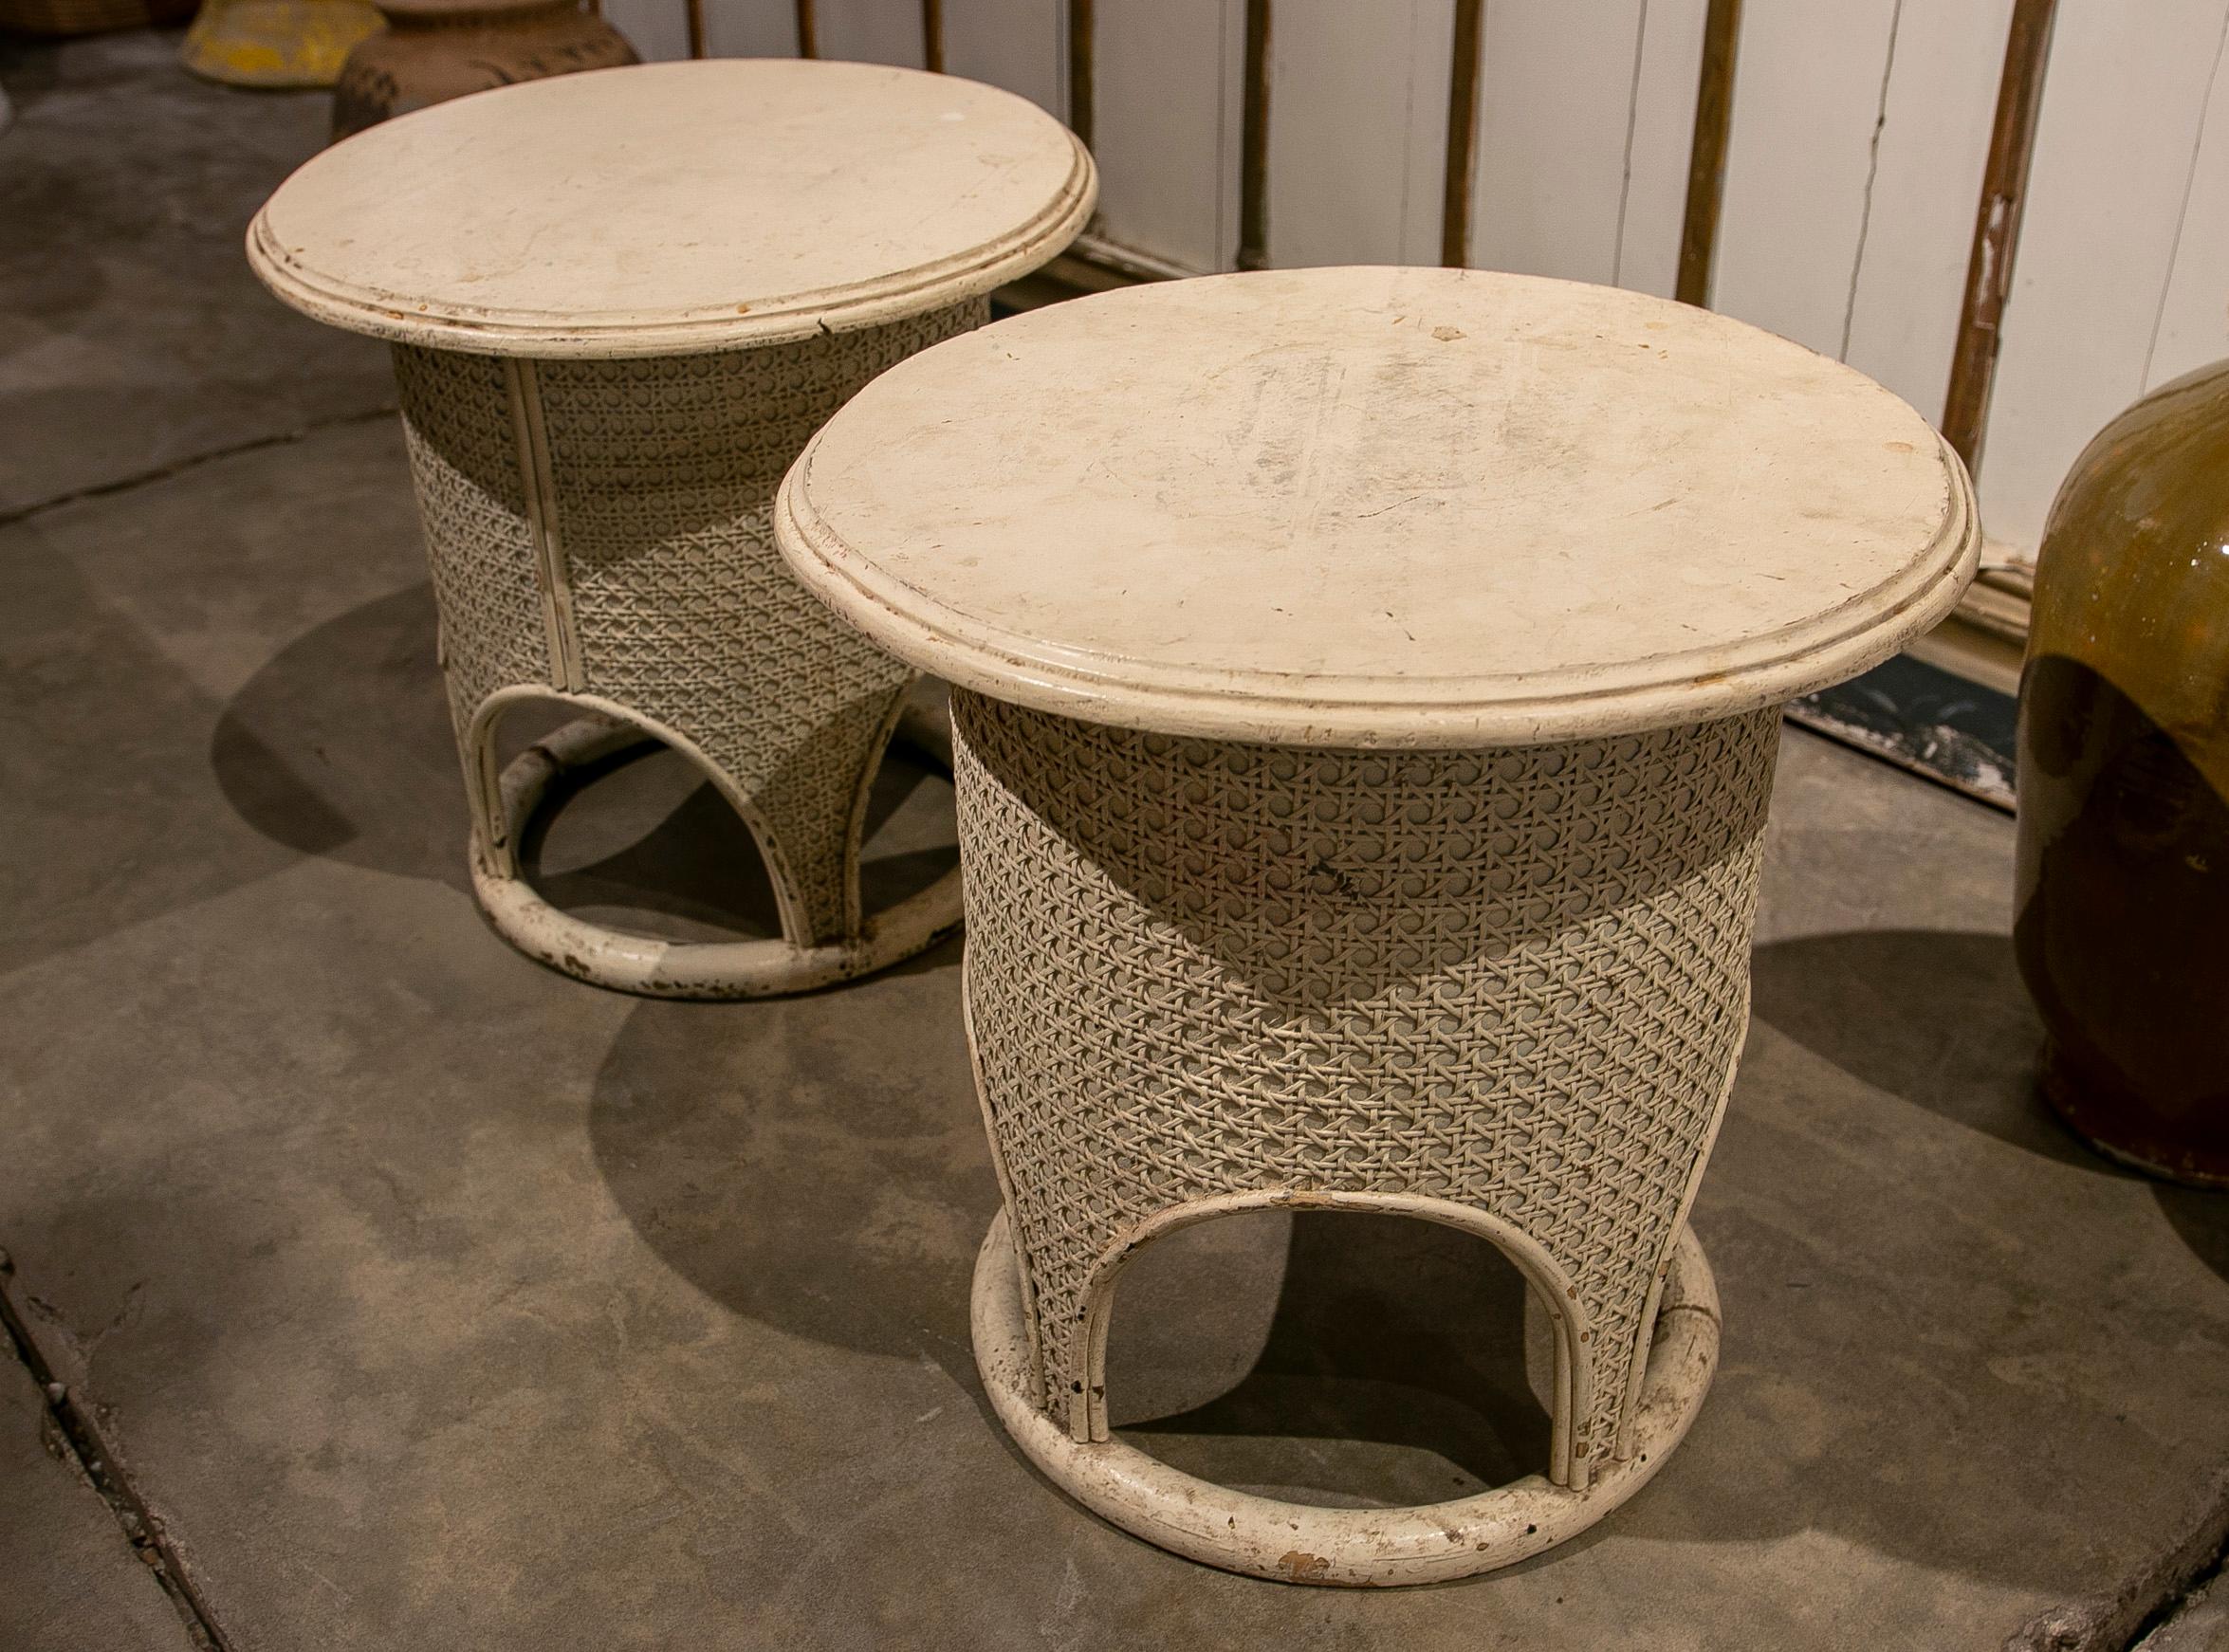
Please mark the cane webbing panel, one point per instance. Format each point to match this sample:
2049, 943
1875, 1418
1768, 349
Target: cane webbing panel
657, 481
464, 455
1514, 978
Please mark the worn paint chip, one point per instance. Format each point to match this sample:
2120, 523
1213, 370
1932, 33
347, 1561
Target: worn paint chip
1302, 1566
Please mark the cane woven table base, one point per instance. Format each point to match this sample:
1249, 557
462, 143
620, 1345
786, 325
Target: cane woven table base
598, 535
1500, 989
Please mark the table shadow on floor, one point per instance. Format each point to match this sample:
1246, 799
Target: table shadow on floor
819, 1165
1941, 1019
1938, 1018
641, 841
1330, 1357
339, 746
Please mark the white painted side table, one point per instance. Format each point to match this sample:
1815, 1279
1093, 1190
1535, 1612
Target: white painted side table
620, 301
1366, 694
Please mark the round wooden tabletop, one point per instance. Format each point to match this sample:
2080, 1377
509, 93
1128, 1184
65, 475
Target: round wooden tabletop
672, 208
1381, 507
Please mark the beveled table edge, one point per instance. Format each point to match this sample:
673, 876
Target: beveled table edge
616, 335
1387, 713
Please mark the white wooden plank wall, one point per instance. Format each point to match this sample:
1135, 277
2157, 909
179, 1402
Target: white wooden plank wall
657, 29
1860, 131
2124, 102
870, 31
1659, 135
1556, 97
1860, 136
1809, 78
1168, 104
2193, 326
1020, 45
1358, 131
1918, 225
749, 27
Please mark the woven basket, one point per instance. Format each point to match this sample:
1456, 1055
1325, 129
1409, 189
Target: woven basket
89, 16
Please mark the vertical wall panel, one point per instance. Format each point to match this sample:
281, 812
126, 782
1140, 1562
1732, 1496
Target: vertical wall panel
751, 27
1424, 181
1933, 149
1659, 138
657, 29
1020, 45
1357, 131
1555, 96
2193, 324
1808, 90
2123, 102
872, 32
1167, 136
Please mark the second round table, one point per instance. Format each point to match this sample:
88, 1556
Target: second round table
620, 300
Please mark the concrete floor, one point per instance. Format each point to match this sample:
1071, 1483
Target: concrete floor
423, 1297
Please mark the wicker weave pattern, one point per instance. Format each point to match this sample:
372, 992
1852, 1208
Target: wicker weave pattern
1517, 979
464, 454
665, 472
653, 556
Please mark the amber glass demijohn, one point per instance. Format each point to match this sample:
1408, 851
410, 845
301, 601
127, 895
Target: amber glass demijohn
2122, 921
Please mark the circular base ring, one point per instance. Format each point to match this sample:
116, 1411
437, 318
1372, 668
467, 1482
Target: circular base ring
687, 969
1358, 1548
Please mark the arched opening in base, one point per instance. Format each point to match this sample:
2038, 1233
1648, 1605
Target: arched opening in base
1326, 1357
615, 851
1315, 1543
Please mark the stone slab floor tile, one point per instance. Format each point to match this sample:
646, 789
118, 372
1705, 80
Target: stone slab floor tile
440, 1300
132, 335
68, 1580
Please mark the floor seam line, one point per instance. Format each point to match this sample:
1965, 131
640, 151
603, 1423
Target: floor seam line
2208, 1573
73, 1418
192, 462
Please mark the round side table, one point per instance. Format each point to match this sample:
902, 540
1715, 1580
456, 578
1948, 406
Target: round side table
1366, 695
620, 303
